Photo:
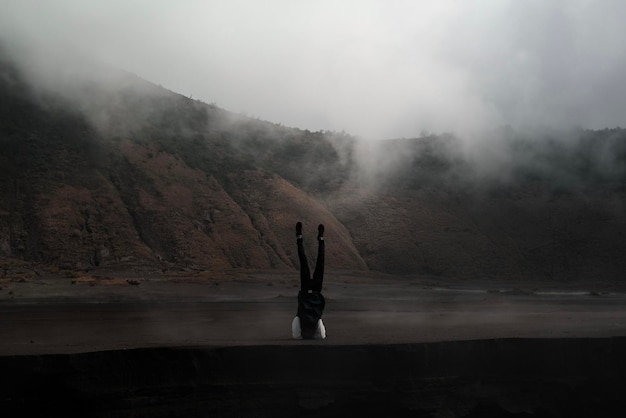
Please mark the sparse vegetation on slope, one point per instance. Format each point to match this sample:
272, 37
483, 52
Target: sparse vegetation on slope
132, 173
115, 171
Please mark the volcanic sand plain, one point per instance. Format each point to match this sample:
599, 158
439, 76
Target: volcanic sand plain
48, 315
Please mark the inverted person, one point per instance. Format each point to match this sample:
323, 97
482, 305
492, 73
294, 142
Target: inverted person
308, 322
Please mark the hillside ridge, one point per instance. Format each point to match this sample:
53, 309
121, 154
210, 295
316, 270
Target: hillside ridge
116, 171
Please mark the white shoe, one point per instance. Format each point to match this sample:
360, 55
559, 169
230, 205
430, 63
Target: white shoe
320, 332
296, 330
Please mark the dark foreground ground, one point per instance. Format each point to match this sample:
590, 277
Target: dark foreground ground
198, 348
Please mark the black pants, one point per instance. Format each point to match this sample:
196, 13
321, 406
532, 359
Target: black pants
311, 302
306, 282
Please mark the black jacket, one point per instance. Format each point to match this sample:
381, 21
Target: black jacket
310, 309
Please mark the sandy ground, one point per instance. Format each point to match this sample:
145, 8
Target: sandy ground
62, 315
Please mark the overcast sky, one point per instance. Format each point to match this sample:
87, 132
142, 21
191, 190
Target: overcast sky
376, 69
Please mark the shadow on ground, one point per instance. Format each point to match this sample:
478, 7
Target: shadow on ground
498, 377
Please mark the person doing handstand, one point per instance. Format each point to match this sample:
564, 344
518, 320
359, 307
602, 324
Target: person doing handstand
308, 321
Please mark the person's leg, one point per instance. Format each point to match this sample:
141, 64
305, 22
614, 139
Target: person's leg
305, 273
296, 329
318, 273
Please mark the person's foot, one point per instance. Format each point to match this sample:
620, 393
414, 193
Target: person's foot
299, 230
320, 232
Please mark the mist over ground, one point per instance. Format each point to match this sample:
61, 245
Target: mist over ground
486, 75
374, 69
116, 102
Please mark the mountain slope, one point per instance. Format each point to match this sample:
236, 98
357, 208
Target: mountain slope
549, 208
104, 169
132, 173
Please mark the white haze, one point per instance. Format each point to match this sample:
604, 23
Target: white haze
376, 69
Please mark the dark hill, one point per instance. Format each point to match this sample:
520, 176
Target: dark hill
108, 170
547, 206
118, 170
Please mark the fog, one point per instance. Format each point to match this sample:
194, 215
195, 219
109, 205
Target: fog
371, 68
